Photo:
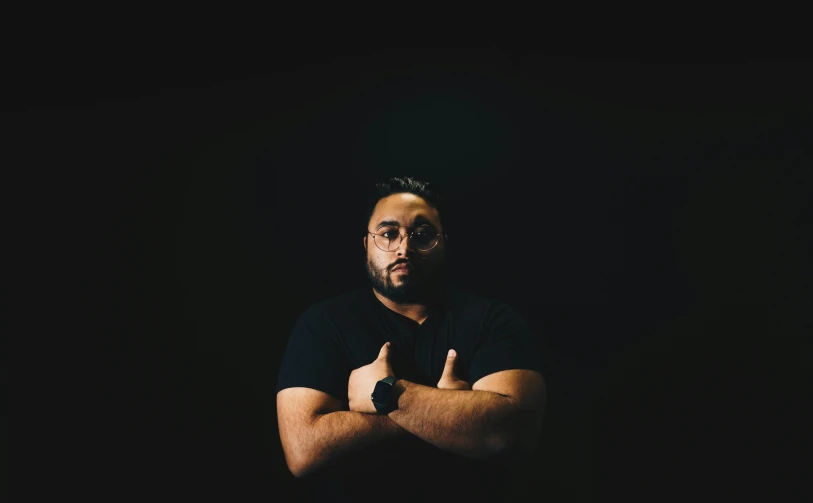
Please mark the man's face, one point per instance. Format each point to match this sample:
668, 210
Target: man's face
421, 272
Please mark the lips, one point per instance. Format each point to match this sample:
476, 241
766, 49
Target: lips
402, 267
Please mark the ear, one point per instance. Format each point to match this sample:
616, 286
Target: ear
365, 242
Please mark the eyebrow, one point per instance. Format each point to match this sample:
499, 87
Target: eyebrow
387, 222
418, 220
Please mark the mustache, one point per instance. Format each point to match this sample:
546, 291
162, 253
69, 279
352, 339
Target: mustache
403, 262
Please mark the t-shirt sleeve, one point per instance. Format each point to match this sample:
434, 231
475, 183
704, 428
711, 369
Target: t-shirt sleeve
313, 357
507, 342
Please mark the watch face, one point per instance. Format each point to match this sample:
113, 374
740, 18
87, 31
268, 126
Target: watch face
381, 393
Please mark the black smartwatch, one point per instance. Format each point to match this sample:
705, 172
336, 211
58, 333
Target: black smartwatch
383, 395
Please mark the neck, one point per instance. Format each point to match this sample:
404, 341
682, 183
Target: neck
418, 311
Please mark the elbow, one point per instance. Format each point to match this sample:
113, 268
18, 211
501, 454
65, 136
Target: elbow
517, 440
297, 471
295, 465
505, 446
300, 454
494, 446
300, 462
298, 465
513, 436
491, 445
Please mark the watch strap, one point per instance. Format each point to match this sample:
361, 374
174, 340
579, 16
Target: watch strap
390, 380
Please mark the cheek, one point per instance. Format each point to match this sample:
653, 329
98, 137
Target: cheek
375, 262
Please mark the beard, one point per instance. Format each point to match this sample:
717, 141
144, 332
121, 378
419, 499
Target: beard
419, 286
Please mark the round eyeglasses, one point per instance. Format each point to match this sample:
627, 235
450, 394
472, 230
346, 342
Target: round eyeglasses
389, 238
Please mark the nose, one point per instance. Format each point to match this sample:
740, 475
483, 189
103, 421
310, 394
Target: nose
404, 247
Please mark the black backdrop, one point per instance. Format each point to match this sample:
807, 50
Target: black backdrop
649, 219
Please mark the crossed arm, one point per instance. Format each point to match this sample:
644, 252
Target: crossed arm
502, 412
316, 428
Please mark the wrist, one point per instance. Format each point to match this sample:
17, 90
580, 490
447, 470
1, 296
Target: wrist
383, 396
398, 389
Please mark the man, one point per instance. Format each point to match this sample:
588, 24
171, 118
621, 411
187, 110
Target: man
412, 388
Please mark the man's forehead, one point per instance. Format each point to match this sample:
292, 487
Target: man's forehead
404, 208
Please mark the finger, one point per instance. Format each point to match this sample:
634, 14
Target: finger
448, 368
384, 354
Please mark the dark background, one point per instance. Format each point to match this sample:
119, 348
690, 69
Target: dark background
650, 219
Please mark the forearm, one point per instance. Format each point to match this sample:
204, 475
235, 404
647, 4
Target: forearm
331, 436
474, 424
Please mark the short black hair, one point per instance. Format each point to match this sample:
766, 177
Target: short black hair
400, 185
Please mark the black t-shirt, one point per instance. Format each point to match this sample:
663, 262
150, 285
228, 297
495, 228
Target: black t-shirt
334, 337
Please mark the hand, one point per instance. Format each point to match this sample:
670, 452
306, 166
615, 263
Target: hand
449, 380
362, 381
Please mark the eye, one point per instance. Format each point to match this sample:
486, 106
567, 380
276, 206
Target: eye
389, 234
425, 235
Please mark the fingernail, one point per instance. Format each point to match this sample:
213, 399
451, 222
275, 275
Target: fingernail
451, 353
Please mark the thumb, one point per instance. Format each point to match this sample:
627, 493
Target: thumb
384, 354
448, 368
